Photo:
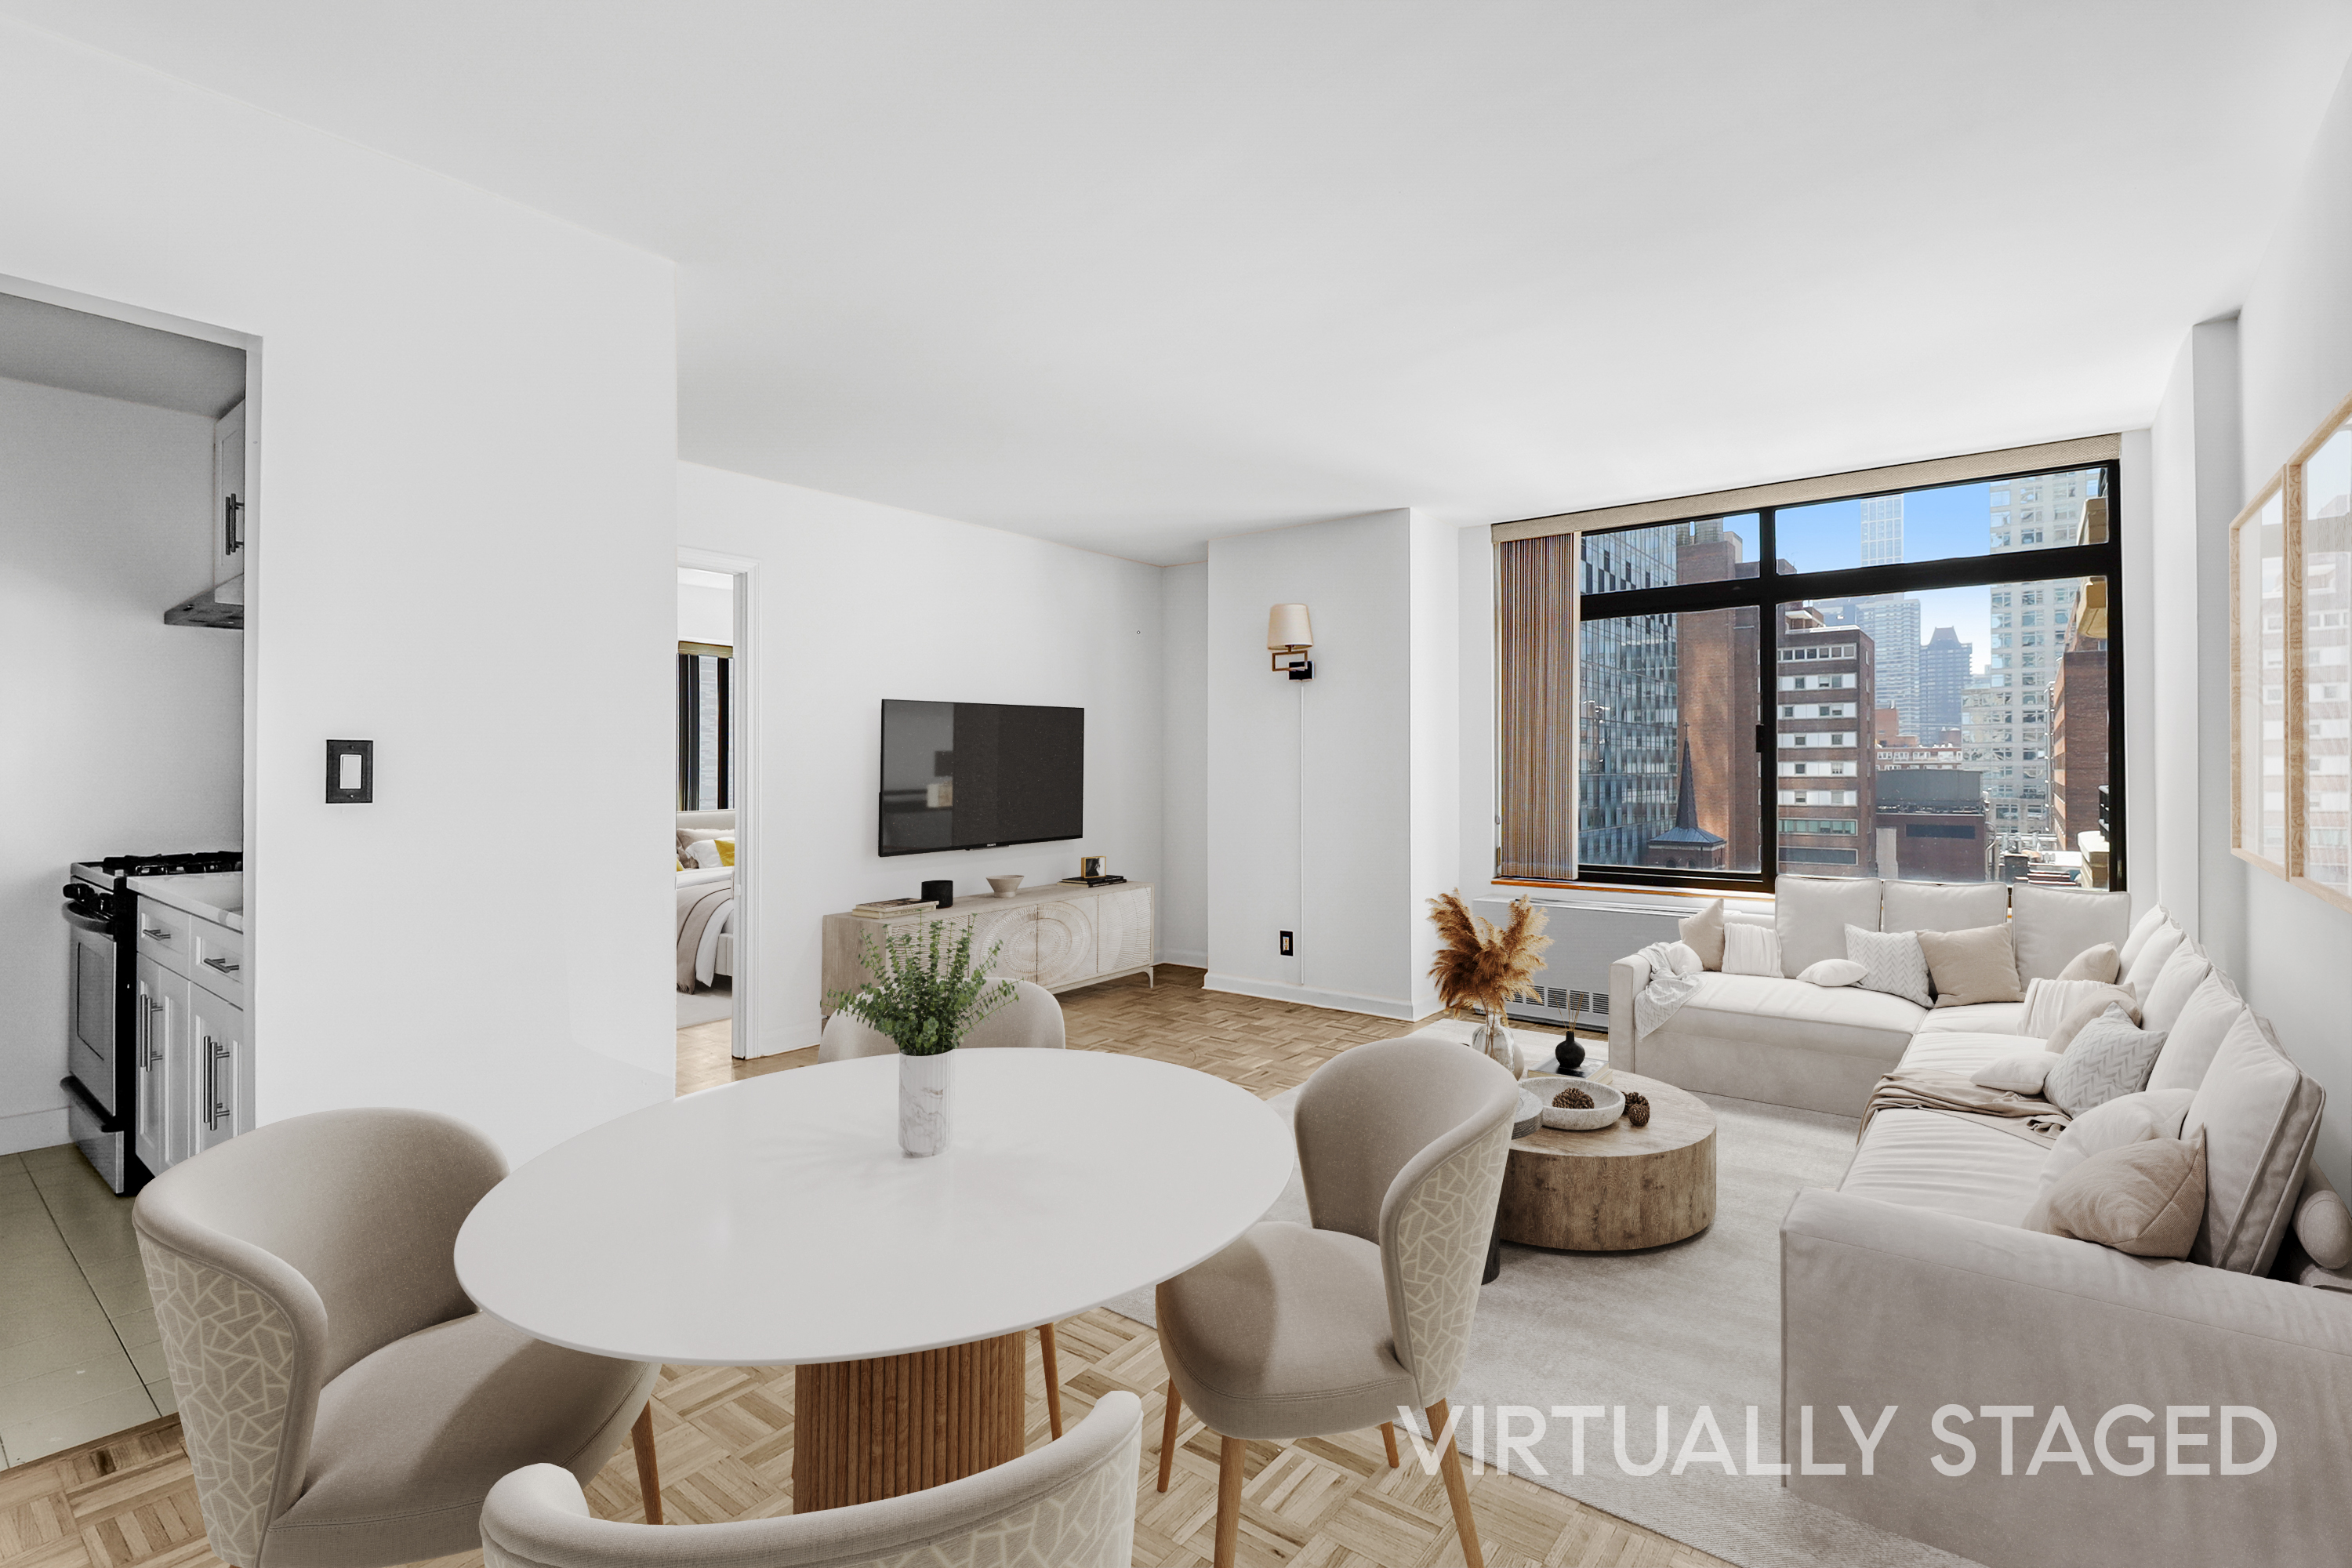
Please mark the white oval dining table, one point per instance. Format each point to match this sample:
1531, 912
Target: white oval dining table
775, 1221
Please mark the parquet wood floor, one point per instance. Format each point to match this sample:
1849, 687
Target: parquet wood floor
725, 1434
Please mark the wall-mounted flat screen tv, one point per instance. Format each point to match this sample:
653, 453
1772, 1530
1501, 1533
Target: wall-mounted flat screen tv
968, 775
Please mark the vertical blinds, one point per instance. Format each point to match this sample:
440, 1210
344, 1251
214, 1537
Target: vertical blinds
1537, 624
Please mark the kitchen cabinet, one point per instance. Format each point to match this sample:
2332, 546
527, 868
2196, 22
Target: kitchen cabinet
164, 1135
219, 1072
229, 522
196, 1070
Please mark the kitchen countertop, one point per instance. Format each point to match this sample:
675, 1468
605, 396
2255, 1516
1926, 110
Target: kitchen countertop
216, 896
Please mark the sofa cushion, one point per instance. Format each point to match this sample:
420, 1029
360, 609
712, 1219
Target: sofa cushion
2197, 1035
1982, 1018
1972, 966
1922, 1158
2053, 924
2260, 1113
2322, 1223
2147, 926
1942, 906
2141, 973
2181, 974
1812, 912
1963, 1054
1750, 950
1759, 1010
1703, 934
1892, 961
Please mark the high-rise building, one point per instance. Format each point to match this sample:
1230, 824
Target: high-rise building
1824, 700
1893, 622
1882, 531
2078, 738
1944, 662
2008, 739
1627, 713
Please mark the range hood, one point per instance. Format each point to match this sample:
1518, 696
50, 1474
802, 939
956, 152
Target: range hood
221, 606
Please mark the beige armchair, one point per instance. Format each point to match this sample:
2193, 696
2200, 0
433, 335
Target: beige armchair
343, 1404
1032, 1019
1069, 1505
1301, 1331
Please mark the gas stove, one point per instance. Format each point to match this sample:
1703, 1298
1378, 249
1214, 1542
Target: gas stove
177, 865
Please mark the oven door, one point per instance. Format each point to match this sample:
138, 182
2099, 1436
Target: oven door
90, 1052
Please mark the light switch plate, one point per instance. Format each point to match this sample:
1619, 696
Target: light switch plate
350, 772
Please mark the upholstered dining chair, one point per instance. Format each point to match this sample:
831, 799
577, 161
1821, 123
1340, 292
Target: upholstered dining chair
343, 1404
1301, 1331
1068, 1505
1033, 1018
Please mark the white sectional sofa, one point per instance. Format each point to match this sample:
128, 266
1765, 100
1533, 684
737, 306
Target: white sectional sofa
1815, 1048
1914, 1285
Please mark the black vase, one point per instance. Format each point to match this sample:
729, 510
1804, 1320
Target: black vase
1571, 1055
943, 893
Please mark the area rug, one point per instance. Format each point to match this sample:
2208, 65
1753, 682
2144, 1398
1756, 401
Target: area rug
1698, 1323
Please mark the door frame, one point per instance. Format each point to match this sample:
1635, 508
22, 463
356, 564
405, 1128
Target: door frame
744, 731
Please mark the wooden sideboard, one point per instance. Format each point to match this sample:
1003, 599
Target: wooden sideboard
1060, 935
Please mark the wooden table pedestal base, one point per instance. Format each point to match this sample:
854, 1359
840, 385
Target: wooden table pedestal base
881, 1428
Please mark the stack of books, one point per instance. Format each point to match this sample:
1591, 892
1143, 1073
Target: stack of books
892, 909
1094, 881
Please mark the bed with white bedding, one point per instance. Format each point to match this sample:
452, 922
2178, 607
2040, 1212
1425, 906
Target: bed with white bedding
706, 906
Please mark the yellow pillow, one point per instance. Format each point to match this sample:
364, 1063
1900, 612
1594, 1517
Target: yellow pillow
726, 850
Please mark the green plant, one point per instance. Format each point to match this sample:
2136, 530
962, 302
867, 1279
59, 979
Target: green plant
929, 995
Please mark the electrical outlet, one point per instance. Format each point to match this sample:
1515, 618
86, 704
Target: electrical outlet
1285, 944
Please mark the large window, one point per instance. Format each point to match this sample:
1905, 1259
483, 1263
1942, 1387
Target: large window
1907, 682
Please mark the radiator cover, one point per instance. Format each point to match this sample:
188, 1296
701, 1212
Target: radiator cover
1586, 939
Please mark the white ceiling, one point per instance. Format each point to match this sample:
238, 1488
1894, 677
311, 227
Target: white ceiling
1135, 275
49, 345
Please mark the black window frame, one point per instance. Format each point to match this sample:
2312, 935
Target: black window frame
1771, 587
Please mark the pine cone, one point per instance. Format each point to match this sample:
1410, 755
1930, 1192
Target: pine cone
1637, 1109
1572, 1099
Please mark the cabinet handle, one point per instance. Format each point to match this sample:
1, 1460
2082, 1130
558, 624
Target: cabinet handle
155, 935
209, 1096
233, 538
148, 1055
223, 965
220, 1113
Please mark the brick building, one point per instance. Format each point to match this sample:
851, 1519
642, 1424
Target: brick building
1824, 697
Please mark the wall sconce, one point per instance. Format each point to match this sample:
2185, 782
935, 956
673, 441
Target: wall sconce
1287, 638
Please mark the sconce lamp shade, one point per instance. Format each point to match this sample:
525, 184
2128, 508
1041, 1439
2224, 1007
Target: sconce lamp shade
1286, 630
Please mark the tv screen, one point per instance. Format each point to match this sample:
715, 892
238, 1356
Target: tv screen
966, 775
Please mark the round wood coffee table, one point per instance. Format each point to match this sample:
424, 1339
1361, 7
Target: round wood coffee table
1620, 1188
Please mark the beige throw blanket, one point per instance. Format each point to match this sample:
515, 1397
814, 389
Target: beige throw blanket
2028, 1117
696, 906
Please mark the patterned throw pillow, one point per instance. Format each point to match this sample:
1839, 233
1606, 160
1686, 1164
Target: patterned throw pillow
2108, 1058
1892, 961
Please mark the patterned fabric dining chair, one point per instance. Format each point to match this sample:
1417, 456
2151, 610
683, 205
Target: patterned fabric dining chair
1299, 1331
1031, 1019
1069, 1505
343, 1403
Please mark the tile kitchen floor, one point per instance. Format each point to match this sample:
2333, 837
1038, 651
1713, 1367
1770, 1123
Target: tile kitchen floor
80, 1356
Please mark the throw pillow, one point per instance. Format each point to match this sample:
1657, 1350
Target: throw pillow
1831, 972
1703, 934
1891, 962
2018, 1075
726, 850
2260, 1113
1971, 966
2109, 1057
2174, 983
2140, 972
2323, 1223
2146, 1199
2049, 1004
2101, 964
2195, 1035
705, 852
2127, 1119
1750, 950
2147, 926
2084, 1009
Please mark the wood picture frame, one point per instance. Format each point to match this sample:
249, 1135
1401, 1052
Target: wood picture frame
2246, 666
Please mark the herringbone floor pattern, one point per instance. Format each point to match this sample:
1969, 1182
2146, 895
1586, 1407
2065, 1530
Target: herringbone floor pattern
725, 1434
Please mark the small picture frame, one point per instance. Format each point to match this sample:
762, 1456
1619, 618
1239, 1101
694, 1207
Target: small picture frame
1090, 865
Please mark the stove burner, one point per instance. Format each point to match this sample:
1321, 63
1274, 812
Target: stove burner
173, 865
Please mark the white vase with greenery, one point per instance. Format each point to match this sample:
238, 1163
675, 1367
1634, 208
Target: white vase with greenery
928, 995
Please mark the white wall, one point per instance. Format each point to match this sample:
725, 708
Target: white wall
2294, 339
1332, 802
1184, 748
857, 603
126, 735
706, 607
453, 390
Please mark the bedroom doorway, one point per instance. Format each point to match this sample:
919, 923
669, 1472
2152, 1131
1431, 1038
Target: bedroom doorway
709, 959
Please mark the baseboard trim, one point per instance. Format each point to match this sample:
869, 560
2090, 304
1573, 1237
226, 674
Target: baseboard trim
1306, 997
1186, 957
33, 1129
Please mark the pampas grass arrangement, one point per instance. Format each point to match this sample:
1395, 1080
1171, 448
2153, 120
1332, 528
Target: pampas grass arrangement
1484, 966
